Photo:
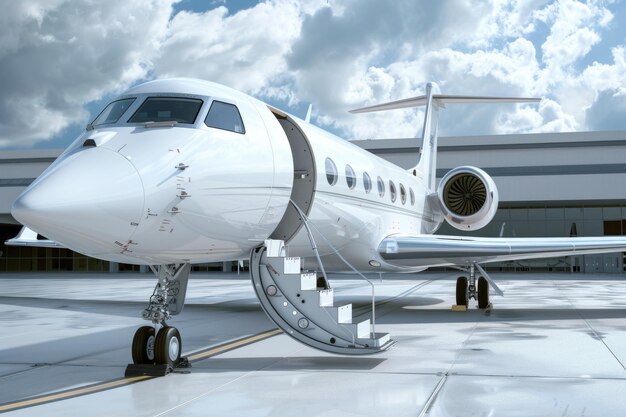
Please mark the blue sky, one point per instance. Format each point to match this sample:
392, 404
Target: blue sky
62, 60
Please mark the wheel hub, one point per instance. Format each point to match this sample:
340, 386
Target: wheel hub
150, 348
174, 348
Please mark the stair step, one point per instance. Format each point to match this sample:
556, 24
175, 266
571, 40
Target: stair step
363, 329
342, 314
379, 340
275, 248
308, 281
326, 298
291, 265
359, 330
295, 302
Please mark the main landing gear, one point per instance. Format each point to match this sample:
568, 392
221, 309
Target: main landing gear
161, 344
468, 288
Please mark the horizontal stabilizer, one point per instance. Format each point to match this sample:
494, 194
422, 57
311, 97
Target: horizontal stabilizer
28, 237
441, 100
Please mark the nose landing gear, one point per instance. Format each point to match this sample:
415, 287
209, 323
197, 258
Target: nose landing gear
163, 347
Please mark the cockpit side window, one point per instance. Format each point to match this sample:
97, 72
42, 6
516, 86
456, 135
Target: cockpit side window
113, 112
224, 116
167, 109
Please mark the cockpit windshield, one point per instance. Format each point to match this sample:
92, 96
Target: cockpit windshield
167, 109
113, 112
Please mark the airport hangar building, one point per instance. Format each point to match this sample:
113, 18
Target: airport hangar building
550, 184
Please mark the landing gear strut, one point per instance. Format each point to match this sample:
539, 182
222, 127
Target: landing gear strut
467, 288
161, 344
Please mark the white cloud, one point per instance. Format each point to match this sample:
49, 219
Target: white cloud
56, 56
608, 81
494, 59
601, 77
510, 71
509, 19
337, 54
548, 116
574, 30
607, 112
245, 50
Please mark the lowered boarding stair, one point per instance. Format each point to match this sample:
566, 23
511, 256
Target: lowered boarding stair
303, 306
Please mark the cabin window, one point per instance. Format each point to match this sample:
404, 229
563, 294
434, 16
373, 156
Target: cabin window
113, 112
350, 177
367, 182
331, 172
412, 196
167, 109
402, 194
225, 116
392, 191
381, 187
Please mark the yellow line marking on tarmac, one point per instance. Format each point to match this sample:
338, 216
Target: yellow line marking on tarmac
233, 345
73, 393
103, 386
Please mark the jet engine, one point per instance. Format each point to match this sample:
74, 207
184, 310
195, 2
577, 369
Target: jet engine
468, 198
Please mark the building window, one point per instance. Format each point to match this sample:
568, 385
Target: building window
381, 187
402, 194
367, 182
412, 196
331, 172
224, 116
392, 191
167, 109
350, 177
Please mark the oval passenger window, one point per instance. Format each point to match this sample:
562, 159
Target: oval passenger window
350, 177
331, 172
367, 182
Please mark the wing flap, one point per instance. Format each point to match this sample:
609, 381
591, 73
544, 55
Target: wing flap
433, 250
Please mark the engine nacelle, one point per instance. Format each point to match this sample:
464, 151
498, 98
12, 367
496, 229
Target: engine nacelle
468, 198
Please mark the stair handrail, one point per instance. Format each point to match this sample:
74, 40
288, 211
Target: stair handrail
305, 221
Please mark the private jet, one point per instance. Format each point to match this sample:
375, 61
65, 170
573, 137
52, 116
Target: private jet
176, 172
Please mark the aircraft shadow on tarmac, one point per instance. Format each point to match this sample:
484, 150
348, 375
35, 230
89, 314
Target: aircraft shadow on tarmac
405, 310
279, 363
124, 308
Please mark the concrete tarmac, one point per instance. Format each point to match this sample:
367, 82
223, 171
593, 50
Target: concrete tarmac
555, 345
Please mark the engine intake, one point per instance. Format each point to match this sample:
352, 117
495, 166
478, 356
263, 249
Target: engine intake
468, 198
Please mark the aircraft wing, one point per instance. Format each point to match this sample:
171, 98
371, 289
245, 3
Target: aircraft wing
28, 237
434, 250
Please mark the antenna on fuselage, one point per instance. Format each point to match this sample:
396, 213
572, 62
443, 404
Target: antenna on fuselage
307, 118
433, 100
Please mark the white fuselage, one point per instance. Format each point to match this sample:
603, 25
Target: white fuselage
193, 193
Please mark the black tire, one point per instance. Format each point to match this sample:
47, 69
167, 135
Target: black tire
461, 291
143, 345
483, 293
168, 346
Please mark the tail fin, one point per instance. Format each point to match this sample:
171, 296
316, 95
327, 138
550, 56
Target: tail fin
433, 100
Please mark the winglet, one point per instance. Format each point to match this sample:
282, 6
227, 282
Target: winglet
308, 114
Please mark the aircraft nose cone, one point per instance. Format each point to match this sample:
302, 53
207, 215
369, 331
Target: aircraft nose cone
88, 202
